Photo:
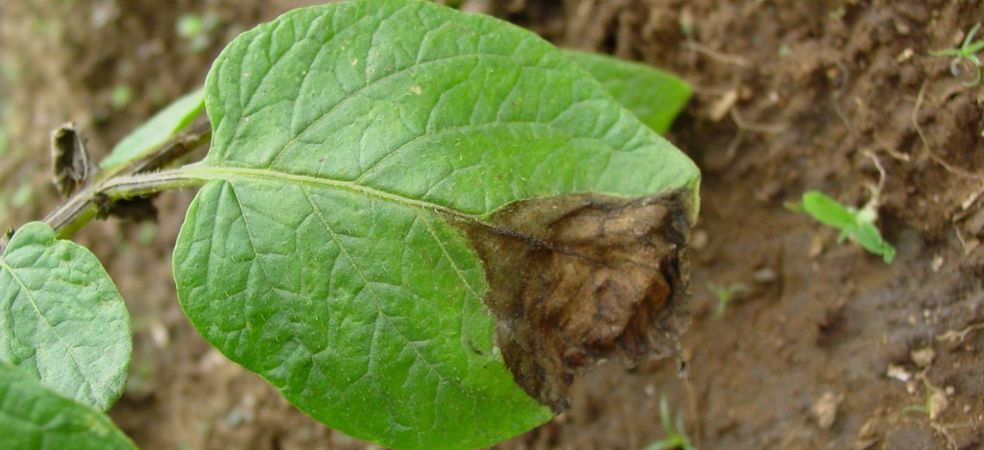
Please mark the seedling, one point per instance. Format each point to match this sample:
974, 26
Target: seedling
724, 293
676, 436
933, 404
966, 54
857, 225
384, 180
924, 408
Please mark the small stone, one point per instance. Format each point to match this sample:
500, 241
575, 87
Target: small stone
825, 409
764, 275
235, 418
937, 263
905, 55
816, 246
159, 335
911, 386
899, 373
975, 224
923, 357
869, 429
937, 404
723, 105
902, 28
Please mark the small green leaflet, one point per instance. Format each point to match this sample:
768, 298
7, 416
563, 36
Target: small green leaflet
33, 417
828, 211
62, 319
858, 226
156, 131
319, 254
655, 96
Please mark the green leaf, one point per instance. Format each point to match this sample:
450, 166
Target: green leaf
871, 240
156, 131
853, 224
62, 320
354, 144
827, 210
655, 96
35, 417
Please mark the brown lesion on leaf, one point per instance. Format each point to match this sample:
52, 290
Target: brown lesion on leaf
580, 279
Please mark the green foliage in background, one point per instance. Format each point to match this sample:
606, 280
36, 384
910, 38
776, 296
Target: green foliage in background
156, 131
656, 97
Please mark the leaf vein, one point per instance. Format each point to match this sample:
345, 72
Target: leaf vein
88, 385
377, 299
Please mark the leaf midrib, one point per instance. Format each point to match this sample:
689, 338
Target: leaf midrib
232, 173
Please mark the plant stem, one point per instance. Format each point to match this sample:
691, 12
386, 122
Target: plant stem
88, 203
139, 178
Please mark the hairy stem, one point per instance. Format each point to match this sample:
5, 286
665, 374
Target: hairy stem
139, 178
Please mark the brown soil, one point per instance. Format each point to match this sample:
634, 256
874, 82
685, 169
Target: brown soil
791, 96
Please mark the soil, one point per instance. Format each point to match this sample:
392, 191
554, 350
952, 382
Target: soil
826, 347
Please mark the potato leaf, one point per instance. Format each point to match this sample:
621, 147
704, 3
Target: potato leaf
33, 417
655, 96
156, 131
62, 320
366, 158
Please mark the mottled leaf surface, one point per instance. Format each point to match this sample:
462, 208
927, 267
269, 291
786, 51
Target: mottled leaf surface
319, 254
156, 131
33, 417
655, 96
61, 318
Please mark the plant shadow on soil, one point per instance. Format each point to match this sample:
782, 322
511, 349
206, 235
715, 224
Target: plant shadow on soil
790, 96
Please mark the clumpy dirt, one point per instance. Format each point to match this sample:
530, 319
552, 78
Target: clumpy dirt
823, 347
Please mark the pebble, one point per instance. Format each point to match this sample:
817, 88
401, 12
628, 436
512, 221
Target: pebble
825, 409
923, 357
898, 372
764, 275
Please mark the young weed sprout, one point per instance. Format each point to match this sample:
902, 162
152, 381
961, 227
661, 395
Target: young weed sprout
724, 293
965, 56
857, 225
676, 436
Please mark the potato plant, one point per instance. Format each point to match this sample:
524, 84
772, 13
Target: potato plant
418, 224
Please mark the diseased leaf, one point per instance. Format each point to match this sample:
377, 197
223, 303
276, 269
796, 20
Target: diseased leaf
655, 96
359, 151
33, 417
61, 318
156, 131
